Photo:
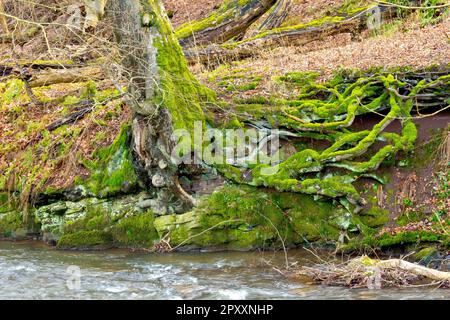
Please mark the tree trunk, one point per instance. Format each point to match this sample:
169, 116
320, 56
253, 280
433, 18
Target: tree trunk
95, 9
277, 16
163, 94
280, 37
231, 20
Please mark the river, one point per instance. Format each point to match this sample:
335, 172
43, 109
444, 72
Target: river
35, 271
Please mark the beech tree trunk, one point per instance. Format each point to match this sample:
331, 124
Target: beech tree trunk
163, 94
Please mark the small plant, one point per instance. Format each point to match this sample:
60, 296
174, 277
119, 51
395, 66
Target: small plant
407, 202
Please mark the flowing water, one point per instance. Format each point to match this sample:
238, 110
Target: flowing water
34, 271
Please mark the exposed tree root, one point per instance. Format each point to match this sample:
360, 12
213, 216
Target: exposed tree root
349, 150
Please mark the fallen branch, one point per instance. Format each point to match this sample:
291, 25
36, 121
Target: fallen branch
390, 4
415, 269
73, 117
366, 272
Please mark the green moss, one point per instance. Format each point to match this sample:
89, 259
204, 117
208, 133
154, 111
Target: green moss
179, 92
328, 118
241, 217
315, 23
227, 10
410, 216
85, 240
375, 217
95, 218
407, 237
299, 78
89, 91
13, 90
9, 223
112, 168
135, 231
350, 7
425, 254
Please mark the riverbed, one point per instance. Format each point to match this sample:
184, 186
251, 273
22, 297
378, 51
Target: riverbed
35, 271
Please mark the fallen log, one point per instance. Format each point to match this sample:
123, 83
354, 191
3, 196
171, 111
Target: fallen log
277, 15
289, 36
73, 75
13, 68
415, 269
231, 20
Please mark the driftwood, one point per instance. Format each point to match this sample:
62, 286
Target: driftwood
375, 274
231, 20
284, 37
415, 269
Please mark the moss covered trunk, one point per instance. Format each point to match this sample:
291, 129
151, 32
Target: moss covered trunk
163, 93
277, 15
231, 20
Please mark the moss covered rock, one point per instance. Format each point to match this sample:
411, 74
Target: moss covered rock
241, 217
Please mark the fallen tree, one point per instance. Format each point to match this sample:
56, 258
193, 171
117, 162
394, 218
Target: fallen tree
60, 75
231, 20
289, 36
276, 16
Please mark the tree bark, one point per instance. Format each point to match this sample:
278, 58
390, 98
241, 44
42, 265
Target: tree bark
72, 75
283, 37
95, 9
163, 94
277, 16
3, 21
231, 20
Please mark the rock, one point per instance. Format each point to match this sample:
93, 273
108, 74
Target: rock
158, 181
429, 257
162, 164
58, 208
50, 238
145, 204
